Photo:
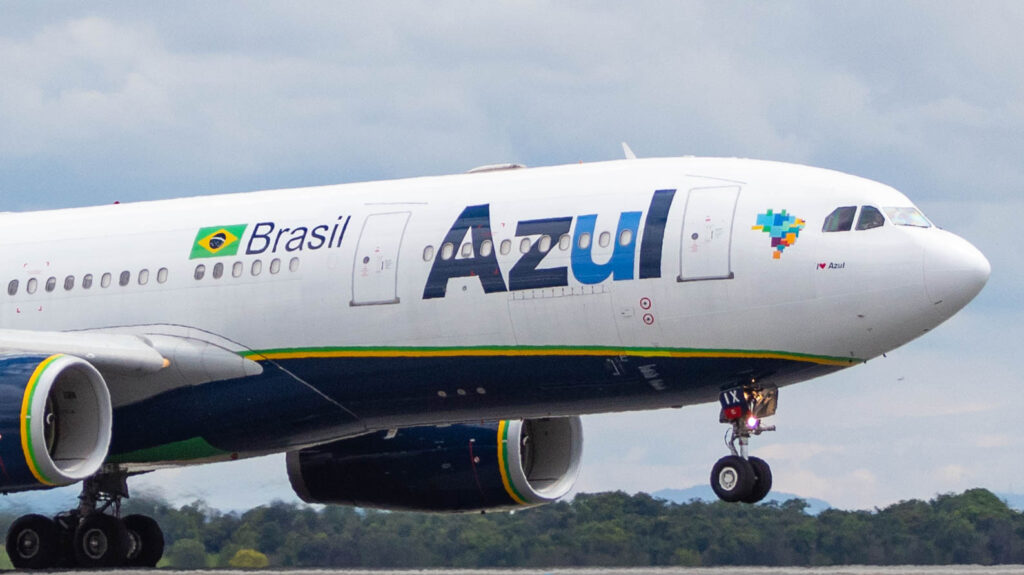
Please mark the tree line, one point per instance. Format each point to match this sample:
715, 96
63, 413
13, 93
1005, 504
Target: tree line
604, 529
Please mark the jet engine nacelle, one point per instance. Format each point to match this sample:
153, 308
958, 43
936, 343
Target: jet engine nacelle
55, 421
507, 464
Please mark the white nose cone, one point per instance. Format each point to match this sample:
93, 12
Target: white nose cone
954, 272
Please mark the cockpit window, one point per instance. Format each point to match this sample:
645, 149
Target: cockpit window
907, 217
840, 220
869, 218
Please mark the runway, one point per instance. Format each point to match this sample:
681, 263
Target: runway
843, 570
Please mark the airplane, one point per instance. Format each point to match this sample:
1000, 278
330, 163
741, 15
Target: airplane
431, 343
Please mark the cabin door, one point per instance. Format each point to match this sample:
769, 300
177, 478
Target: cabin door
375, 271
707, 234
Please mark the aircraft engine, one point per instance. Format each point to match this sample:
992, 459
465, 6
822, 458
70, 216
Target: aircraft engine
455, 468
55, 421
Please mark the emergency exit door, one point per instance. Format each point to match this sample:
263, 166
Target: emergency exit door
707, 234
375, 271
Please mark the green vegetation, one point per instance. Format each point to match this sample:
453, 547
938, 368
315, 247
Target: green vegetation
606, 529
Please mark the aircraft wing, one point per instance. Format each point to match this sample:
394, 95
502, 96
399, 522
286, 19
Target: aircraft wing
107, 352
142, 361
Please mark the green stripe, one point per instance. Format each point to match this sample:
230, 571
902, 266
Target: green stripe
551, 349
189, 449
508, 471
27, 421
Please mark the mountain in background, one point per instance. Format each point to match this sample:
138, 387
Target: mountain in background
53, 501
706, 494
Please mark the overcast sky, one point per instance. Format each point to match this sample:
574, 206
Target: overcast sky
110, 101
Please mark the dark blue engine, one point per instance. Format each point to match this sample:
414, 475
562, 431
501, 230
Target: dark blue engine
55, 421
454, 468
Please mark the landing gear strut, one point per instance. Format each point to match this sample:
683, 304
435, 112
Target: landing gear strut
91, 536
740, 477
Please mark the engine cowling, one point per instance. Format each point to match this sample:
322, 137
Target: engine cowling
456, 468
55, 421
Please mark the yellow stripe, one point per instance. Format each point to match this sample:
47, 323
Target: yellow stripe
26, 420
503, 461
528, 352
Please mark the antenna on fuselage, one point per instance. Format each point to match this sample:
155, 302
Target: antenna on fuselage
629, 153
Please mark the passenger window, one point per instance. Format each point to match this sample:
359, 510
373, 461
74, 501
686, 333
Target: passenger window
293, 265
106, 279
125, 279
467, 250
447, 251
200, 272
12, 288
545, 244
69, 283
237, 269
604, 239
51, 284
275, 266
161, 275
869, 218
218, 271
564, 241
428, 253
524, 245
584, 241
143, 277
87, 281
257, 267
840, 220
32, 285
506, 247
485, 248
625, 237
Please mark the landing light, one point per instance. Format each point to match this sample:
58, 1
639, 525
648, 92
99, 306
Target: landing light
752, 422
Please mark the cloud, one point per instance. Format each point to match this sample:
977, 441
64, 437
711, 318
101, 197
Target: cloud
116, 101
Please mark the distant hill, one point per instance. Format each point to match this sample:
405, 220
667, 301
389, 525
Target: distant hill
705, 493
49, 502
1014, 501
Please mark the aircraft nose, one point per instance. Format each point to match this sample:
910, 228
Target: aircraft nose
954, 271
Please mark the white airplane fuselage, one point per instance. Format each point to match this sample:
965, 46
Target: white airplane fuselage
294, 317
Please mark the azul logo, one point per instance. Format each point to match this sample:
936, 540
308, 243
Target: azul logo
783, 228
475, 221
217, 241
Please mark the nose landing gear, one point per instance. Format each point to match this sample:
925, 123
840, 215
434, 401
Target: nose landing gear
740, 477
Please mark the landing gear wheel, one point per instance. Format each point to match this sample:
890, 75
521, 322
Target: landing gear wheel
732, 478
146, 541
101, 541
33, 542
762, 480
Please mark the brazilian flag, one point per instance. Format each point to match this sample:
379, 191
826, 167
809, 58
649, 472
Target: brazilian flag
217, 241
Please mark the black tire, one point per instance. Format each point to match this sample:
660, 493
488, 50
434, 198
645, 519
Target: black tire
33, 542
762, 480
66, 548
146, 541
732, 478
101, 541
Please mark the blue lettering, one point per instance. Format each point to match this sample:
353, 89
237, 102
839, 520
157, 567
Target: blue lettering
620, 266
477, 220
258, 234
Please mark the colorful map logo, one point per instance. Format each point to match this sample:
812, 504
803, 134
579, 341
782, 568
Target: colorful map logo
783, 228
